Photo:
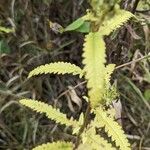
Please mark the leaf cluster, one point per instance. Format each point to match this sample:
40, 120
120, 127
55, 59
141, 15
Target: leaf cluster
100, 21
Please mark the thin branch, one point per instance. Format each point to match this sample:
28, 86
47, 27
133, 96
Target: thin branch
65, 92
133, 61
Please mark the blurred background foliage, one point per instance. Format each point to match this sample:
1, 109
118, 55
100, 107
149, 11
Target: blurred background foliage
27, 41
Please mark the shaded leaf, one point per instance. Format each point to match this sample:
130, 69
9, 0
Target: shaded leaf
4, 47
147, 94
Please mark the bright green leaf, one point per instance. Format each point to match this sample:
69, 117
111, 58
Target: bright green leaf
84, 28
75, 25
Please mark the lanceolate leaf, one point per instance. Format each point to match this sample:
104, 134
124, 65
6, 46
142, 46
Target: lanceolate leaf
75, 25
57, 68
120, 17
113, 129
94, 60
55, 146
50, 112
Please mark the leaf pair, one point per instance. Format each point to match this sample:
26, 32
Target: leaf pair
107, 26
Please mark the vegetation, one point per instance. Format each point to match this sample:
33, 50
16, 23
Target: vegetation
92, 121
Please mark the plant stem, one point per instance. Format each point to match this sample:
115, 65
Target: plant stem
85, 123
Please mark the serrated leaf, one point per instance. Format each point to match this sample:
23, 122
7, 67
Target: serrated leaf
94, 60
112, 128
50, 112
108, 71
57, 68
55, 146
97, 142
120, 17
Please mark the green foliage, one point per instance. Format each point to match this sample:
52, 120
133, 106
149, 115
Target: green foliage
55, 146
110, 91
112, 128
84, 28
147, 94
120, 17
89, 137
94, 60
50, 112
75, 25
79, 25
109, 70
104, 17
4, 48
143, 5
6, 30
57, 68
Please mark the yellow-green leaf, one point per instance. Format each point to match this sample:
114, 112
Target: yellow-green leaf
55, 146
120, 17
6, 30
112, 128
94, 60
50, 112
89, 137
108, 71
57, 68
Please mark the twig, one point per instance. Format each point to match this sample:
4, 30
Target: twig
134, 61
118, 67
12, 9
65, 92
133, 137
